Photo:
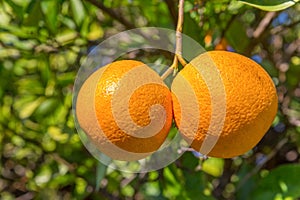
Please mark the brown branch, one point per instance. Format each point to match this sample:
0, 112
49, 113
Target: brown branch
177, 56
179, 28
224, 179
260, 165
108, 195
60, 160
263, 24
260, 32
27, 195
117, 16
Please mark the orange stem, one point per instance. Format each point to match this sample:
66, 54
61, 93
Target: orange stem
178, 51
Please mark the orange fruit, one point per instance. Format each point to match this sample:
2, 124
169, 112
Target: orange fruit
125, 109
223, 103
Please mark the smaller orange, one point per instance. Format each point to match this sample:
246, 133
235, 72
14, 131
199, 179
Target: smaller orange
125, 109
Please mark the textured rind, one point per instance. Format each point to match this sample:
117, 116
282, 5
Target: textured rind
251, 103
100, 124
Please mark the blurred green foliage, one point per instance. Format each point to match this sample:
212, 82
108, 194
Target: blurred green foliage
42, 45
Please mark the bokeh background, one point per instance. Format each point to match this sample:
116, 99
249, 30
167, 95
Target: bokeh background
44, 42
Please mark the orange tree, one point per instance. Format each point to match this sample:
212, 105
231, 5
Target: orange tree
42, 45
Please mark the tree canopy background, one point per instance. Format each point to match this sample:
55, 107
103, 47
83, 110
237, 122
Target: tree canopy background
44, 42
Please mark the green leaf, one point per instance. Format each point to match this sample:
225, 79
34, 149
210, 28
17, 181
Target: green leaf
247, 183
18, 10
293, 73
283, 181
34, 13
50, 10
30, 86
65, 79
236, 36
173, 186
46, 107
267, 5
194, 181
189, 27
100, 173
29, 108
213, 166
61, 180
78, 11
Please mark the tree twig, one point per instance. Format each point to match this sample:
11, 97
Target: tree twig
178, 50
263, 24
117, 16
170, 69
260, 31
261, 164
224, 179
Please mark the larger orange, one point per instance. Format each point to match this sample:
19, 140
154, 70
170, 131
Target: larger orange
245, 103
125, 109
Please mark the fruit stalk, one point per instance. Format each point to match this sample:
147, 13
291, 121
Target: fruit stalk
178, 49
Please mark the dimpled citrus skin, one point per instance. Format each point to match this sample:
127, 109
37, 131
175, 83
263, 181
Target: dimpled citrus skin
251, 104
140, 102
